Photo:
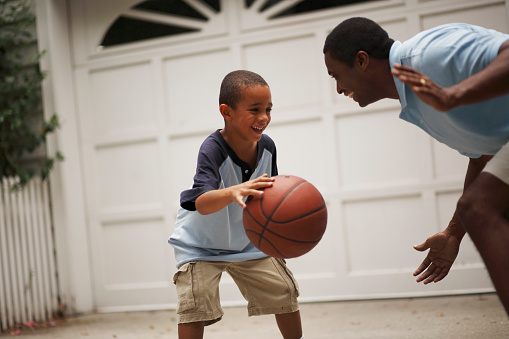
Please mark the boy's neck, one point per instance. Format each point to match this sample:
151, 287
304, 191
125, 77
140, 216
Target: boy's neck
244, 149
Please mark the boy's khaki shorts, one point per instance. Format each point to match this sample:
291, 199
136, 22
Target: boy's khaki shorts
267, 284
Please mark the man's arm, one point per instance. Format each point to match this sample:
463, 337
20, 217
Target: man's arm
491, 82
444, 246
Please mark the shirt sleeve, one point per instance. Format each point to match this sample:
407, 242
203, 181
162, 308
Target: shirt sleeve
269, 145
207, 177
274, 160
455, 52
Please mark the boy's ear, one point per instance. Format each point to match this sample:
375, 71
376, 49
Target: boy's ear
225, 111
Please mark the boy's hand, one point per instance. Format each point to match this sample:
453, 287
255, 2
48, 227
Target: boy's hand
213, 201
252, 187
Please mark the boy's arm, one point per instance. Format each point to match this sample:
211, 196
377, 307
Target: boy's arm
489, 83
215, 200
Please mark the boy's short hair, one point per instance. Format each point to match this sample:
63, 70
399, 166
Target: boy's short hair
354, 35
233, 83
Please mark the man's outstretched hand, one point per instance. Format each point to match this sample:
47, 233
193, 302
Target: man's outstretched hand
443, 250
426, 89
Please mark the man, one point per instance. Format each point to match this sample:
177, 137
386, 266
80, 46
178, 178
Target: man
453, 82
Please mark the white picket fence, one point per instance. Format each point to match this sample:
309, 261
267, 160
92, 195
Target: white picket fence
28, 281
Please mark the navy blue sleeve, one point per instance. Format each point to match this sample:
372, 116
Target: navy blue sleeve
207, 177
269, 144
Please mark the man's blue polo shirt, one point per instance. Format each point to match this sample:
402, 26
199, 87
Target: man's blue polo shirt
219, 236
448, 54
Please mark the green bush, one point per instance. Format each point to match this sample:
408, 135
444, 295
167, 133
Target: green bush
23, 129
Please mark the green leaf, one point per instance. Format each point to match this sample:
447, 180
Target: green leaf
22, 126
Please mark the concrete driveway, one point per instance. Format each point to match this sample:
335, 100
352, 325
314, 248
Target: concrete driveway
479, 316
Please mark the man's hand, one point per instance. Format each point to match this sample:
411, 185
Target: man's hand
426, 89
443, 250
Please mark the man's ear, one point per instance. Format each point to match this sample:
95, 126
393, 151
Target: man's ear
361, 60
225, 111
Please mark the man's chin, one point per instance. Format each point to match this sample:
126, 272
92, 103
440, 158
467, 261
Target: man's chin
366, 103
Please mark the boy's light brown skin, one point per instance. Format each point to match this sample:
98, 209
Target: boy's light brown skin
485, 199
243, 128
288, 323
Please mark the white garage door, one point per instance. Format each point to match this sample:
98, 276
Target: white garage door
148, 98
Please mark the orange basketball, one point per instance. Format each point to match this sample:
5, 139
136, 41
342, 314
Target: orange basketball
288, 220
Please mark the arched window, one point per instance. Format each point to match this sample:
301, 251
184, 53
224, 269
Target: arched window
303, 6
160, 18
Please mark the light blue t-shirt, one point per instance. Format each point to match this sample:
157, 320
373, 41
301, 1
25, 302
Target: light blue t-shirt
219, 236
448, 54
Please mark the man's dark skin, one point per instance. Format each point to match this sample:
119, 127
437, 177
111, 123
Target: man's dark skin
481, 209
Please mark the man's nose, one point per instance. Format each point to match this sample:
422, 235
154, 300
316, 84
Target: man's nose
338, 88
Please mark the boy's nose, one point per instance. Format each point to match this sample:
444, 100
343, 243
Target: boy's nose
264, 117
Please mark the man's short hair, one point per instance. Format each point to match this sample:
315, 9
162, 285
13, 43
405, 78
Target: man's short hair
354, 35
233, 84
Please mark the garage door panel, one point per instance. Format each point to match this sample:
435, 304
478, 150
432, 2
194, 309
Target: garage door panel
122, 100
128, 176
290, 68
376, 149
301, 150
492, 16
191, 87
448, 163
402, 219
126, 260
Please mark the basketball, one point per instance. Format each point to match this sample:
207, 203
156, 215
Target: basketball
288, 220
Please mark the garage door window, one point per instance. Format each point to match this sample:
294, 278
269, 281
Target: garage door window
162, 18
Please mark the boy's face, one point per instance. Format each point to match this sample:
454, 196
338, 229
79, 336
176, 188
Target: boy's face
252, 114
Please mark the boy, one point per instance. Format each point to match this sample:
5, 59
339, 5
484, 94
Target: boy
209, 235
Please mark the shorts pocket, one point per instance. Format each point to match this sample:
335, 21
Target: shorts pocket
183, 280
282, 263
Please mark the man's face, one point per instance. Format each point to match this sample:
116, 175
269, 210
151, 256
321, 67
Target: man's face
350, 81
